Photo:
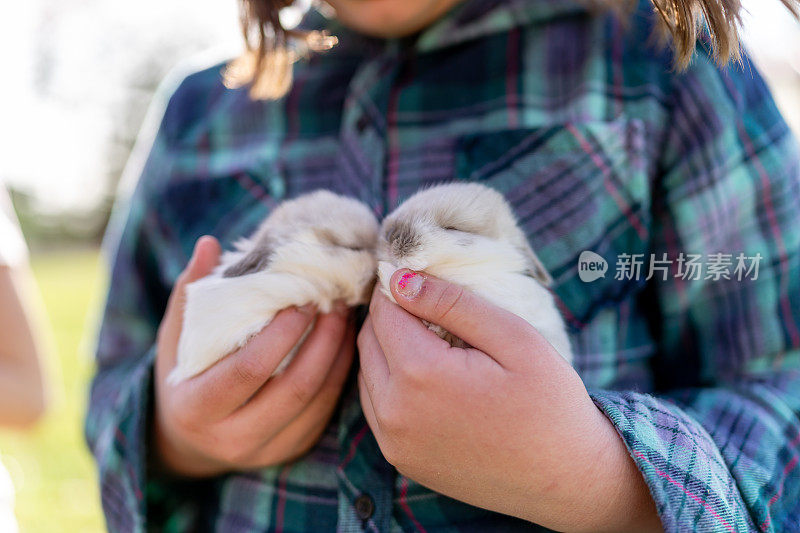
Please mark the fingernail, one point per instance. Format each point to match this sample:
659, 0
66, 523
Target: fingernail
308, 309
410, 284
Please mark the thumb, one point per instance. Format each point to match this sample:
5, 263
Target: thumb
480, 323
204, 258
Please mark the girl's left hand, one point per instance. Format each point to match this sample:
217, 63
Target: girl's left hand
507, 425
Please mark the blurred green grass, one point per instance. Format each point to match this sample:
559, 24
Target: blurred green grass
52, 469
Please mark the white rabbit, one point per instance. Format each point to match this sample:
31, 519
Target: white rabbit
317, 248
466, 233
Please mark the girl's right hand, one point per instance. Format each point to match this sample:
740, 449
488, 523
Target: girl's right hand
235, 416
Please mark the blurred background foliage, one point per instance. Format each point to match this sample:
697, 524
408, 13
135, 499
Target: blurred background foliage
81, 76
82, 73
78, 79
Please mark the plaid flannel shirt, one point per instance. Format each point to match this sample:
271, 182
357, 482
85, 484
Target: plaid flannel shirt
599, 145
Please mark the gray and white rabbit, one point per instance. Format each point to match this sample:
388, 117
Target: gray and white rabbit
466, 233
317, 248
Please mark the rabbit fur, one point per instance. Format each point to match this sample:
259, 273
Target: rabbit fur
317, 248
466, 233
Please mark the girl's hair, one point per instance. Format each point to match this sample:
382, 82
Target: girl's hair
270, 49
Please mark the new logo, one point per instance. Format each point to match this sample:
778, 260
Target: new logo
591, 267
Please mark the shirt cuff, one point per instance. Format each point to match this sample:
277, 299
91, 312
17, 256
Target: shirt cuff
688, 479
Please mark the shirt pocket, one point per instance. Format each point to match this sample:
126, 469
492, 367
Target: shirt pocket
574, 187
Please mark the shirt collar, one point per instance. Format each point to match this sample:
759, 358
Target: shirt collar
472, 19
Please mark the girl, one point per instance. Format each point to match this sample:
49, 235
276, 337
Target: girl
683, 409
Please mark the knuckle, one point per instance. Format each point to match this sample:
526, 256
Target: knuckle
390, 419
447, 301
388, 451
183, 419
229, 447
193, 433
235, 453
413, 370
393, 453
301, 390
249, 370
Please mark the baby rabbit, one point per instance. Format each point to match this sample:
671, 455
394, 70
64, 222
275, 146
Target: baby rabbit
467, 234
317, 248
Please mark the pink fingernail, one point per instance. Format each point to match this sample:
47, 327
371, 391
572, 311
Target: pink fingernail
410, 284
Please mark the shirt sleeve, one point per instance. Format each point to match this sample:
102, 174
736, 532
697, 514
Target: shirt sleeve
12, 245
719, 442
137, 243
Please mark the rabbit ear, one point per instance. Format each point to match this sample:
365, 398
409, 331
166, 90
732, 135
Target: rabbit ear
535, 268
255, 260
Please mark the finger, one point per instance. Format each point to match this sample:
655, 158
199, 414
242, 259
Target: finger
321, 346
491, 329
403, 338
204, 258
229, 383
290, 392
260, 420
372, 359
302, 433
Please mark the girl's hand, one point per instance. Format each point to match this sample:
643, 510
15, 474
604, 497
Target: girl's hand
506, 425
234, 416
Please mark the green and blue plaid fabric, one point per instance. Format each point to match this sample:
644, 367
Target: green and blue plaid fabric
600, 146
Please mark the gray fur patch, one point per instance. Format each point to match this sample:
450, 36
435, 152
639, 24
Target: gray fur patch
402, 238
256, 260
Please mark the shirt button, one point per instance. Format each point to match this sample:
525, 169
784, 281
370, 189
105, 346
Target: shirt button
365, 507
362, 123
